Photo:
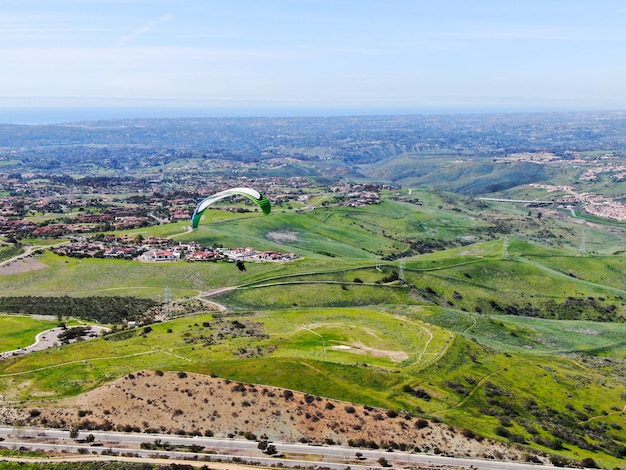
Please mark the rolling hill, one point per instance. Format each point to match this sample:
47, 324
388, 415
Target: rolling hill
430, 304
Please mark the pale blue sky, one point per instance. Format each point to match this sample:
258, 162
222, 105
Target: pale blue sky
315, 56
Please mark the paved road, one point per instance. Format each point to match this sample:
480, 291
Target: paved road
229, 449
49, 339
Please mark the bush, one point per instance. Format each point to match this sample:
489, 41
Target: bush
501, 431
589, 463
421, 423
271, 449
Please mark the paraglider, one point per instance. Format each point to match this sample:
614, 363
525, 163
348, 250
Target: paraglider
255, 196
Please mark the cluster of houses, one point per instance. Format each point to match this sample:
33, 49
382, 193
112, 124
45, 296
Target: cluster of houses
159, 250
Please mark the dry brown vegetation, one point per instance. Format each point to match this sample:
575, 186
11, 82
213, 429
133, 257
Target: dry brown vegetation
191, 404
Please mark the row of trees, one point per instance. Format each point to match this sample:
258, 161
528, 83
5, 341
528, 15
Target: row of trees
100, 309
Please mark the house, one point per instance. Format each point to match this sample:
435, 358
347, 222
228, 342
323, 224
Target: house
156, 256
203, 256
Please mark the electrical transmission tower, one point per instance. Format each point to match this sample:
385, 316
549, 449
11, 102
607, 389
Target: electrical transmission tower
505, 248
401, 271
583, 243
167, 301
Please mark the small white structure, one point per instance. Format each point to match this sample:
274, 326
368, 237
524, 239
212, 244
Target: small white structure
157, 256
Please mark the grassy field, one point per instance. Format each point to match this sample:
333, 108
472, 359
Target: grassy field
375, 356
365, 316
20, 331
8, 251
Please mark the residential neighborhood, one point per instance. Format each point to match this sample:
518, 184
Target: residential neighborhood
163, 250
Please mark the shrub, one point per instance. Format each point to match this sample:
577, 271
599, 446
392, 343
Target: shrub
271, 449
501, 431
421, 423
589, 463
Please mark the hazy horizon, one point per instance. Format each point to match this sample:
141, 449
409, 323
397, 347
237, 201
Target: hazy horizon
60, 115
285, 57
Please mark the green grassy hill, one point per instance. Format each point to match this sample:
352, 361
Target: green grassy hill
440, 305
455, 173
20, 331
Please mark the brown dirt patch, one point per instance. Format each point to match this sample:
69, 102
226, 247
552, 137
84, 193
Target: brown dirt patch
170, 402
359, 348
21, 266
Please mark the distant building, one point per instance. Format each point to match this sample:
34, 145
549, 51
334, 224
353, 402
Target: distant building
204, 256
158, 256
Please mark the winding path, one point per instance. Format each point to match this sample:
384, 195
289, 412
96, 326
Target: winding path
49, 339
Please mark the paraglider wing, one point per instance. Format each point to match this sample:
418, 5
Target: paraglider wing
255, 196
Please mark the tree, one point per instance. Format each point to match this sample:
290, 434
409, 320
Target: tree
271, 449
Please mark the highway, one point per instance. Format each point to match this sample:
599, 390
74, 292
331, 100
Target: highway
238, 450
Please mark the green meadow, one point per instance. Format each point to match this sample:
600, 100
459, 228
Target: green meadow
20, 331
454, 310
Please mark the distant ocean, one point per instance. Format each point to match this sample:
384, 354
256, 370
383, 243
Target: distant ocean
51, 115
